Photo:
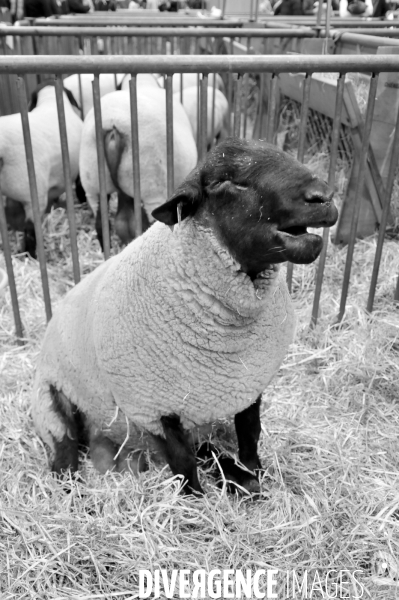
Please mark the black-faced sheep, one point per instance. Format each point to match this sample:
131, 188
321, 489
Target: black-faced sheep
188, 326
46, 145
115, 109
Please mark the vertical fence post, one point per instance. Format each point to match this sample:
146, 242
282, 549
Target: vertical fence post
169, 134
237, 106
37, 221
203, 122
358, 194
213, 108
272, 108
101, 166
10, 272
135, 154
384, 217
331, 182
59, 89
301, 148
246, 90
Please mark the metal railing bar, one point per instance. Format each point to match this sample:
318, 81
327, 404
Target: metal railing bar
10, 273
101, 166
136, 22
203, 110
301, 148
59, 92
81, 96
396, 296
229, 100
149, 32
358, 194
135, 155
169, 134
213, 108
245, 107
331, 182
384, 217
237, 106
272, 108
37, 219
199, 64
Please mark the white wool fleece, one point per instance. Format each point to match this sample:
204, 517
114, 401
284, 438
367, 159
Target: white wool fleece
168, 326
46, 145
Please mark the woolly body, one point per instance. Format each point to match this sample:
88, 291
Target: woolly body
190, 103
191, 79
169, 326
115, 109
143, 80
46, 145
108, 84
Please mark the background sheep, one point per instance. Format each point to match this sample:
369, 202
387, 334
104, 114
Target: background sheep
191, 79
108, 83
46, 145
190, 103
115, 109
186, 327
143, 80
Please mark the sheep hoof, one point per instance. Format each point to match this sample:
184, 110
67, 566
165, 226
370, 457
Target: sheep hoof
225, 468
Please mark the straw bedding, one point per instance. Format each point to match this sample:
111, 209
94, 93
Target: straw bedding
330, 444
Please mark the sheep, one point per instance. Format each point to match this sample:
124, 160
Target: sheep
191, 79
190, 103
46, 145
108, 83
143, 80
115, 108
189, 323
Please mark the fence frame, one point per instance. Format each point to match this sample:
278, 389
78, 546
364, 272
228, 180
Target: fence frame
202, 65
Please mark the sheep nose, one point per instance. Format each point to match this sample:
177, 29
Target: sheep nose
319, 194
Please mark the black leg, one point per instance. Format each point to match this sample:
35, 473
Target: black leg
248, 430
98, 226
179, 454
80, 193
66, 451
232, 472
30, 238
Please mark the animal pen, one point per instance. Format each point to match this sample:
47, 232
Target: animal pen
330, 421
237, 68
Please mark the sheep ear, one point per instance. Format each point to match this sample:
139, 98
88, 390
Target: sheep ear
32, 102
188, 195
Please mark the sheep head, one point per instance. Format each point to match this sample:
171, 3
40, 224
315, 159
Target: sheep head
259, 202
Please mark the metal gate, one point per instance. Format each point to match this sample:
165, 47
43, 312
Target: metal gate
237, 67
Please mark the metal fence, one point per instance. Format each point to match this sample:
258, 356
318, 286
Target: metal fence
238, 67
138, 41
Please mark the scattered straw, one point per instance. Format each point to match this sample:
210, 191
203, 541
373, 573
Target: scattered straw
330, 446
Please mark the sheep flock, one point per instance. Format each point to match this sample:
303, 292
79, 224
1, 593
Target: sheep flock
329, 445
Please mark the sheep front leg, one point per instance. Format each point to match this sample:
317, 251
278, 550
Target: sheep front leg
248, 429
179, 454
66, 449
30, 238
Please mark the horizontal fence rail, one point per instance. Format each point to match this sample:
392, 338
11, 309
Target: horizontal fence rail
135, 21
199, 64
334, 22
149, 32
169, 66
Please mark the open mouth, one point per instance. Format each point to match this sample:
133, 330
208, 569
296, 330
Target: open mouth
294, 231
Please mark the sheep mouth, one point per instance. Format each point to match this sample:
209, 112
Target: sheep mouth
294, 231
